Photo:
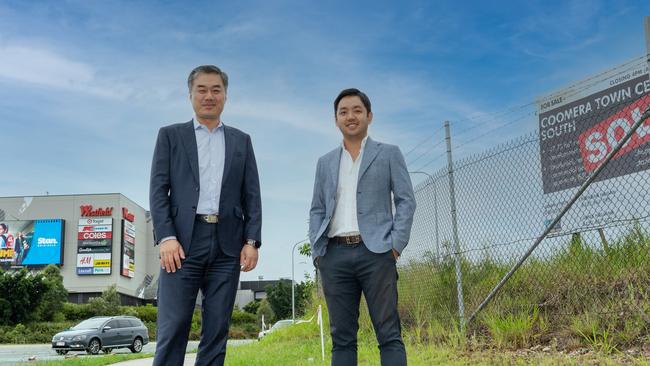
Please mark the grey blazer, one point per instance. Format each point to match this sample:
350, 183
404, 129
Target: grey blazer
382, 172
174, 189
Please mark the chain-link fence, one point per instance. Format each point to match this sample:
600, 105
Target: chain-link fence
588, 278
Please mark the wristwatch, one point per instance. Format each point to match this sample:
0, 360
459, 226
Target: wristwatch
254, 243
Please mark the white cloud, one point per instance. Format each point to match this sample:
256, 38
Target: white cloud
287, 112
37, 65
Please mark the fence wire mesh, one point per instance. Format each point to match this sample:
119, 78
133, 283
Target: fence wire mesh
591, 274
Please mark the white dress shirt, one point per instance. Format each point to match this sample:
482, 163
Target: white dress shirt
344, 221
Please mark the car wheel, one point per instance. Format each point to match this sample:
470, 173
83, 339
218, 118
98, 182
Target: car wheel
136, 347
94, 346
107, 350
62, 352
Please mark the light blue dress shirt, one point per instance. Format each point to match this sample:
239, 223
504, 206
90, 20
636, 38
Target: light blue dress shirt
211, 146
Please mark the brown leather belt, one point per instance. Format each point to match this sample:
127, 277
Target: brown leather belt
209, 219
347, 240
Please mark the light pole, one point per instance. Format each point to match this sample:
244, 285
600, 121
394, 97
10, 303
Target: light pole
293, 284
435, 207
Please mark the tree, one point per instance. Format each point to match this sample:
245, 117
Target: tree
26, 291
279, 297
108, 303
252, 307
305, 250
54, 296
265, 309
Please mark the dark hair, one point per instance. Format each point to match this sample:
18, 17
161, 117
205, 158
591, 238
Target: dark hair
4, 227
350, 92
206, 69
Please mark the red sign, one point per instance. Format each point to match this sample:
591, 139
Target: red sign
87, 211
95, 235
598, 141
127, 215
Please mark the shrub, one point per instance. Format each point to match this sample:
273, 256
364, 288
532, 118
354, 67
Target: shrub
76, 311
242, 317
108, 304
147, 313
252, 306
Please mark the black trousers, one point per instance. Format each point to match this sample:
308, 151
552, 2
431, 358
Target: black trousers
347, 272
206, 268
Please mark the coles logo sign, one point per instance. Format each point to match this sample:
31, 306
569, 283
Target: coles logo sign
95, 235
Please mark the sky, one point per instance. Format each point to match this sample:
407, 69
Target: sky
85, 85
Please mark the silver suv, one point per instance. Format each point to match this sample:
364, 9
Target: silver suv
102, 333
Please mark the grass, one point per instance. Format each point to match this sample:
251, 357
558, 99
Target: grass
299, 345
544, 301
514, 330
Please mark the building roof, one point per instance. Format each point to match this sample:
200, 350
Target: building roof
259, 286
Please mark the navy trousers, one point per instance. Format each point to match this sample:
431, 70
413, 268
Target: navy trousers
346, 272
206, 268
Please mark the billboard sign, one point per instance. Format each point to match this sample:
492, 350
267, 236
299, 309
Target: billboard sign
127, 268
579, 126
31, 242
94, 245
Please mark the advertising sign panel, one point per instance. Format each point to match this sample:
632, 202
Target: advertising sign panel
31, 242
128, 249
94, 245
579, 126
95, 221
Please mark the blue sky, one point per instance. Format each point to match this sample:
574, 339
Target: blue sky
85, 85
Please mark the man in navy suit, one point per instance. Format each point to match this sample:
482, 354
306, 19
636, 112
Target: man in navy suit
355, 235
207, 217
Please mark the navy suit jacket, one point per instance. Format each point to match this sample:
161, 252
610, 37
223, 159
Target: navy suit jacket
174, 189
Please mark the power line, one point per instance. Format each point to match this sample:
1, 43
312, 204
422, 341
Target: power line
426, 151
422, 142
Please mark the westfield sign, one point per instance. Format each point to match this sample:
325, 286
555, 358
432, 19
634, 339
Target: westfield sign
88, 211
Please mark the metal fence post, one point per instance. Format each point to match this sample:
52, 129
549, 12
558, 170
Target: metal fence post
454, 223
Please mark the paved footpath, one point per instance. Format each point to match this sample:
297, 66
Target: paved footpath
189, 361
190, 358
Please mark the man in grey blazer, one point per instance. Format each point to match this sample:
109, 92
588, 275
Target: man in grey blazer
355, 237
207, 218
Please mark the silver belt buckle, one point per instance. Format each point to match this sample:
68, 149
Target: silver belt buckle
211, 219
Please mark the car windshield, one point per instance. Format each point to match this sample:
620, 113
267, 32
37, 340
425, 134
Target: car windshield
281, 324
89, 324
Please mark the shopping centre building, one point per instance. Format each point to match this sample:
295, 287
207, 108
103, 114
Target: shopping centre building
98, 240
